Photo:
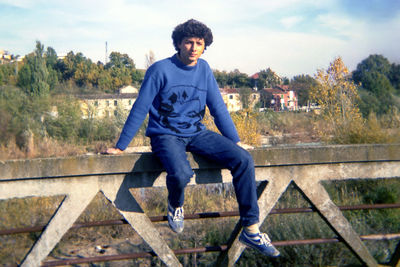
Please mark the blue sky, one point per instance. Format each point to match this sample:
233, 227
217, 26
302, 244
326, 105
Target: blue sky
291, 37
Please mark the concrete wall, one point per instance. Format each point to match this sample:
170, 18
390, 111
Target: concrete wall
81, 178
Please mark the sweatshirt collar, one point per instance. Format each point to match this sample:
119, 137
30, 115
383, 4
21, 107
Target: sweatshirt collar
180, 65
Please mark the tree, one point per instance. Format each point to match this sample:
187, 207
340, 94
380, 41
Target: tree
33, 76
52, 67
268, 79
285, 81
302, 84
120, 67
380, 88
394, 76
244, 94
375, 74
118, 60
373, 63
236, 79
221, 77
337, 96
137, 76
51, 58
8, 73
265, 99
150, 59
81, 70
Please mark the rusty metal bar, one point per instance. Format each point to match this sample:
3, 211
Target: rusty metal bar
129, 256
203, 215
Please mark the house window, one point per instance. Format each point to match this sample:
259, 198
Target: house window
130, 102
108, 103
115, 112
115, 103
230, 96
96, 103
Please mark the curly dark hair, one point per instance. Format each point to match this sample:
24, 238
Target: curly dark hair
191, 28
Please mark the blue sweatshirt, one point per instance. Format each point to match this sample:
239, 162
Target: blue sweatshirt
175, 96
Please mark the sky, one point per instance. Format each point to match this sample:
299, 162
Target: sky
291, 37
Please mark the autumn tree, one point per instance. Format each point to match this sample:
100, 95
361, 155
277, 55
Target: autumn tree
336, 94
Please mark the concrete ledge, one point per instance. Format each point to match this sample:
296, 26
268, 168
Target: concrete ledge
147, 162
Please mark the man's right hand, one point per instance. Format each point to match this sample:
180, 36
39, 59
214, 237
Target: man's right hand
113, 151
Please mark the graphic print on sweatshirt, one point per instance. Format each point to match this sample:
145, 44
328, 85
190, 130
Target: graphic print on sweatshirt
181, 109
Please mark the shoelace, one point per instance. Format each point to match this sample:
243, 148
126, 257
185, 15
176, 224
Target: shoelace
264, 239
178, 216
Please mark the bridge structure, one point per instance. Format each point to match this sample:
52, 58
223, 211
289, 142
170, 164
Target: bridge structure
79, 179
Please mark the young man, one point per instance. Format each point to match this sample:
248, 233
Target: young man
174, 93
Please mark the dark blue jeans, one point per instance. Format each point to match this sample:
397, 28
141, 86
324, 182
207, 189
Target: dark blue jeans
171, 150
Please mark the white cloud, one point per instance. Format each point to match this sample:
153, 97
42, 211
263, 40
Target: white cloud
241, 39
17, 3
286, 53
289, 22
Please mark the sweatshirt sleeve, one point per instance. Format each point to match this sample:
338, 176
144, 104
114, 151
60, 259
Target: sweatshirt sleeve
148, 91
219, 111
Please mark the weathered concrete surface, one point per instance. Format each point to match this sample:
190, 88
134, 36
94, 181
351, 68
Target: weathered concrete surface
70, 209
80, 178
116, 189
146, 162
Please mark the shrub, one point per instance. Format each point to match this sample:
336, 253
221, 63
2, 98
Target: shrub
246, 125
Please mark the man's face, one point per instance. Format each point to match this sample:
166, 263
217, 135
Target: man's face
191, 48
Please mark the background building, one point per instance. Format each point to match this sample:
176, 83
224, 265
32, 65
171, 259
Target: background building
108, 105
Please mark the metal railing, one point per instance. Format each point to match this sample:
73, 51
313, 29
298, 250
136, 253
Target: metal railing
203, 215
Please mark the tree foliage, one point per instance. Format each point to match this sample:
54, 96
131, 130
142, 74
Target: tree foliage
244, 94
268, 79
373, 63
7, 73
43, 71
337, 96
375, 74
233, 79
302, 84
265, 99
394, 77
33, 76
120, 68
